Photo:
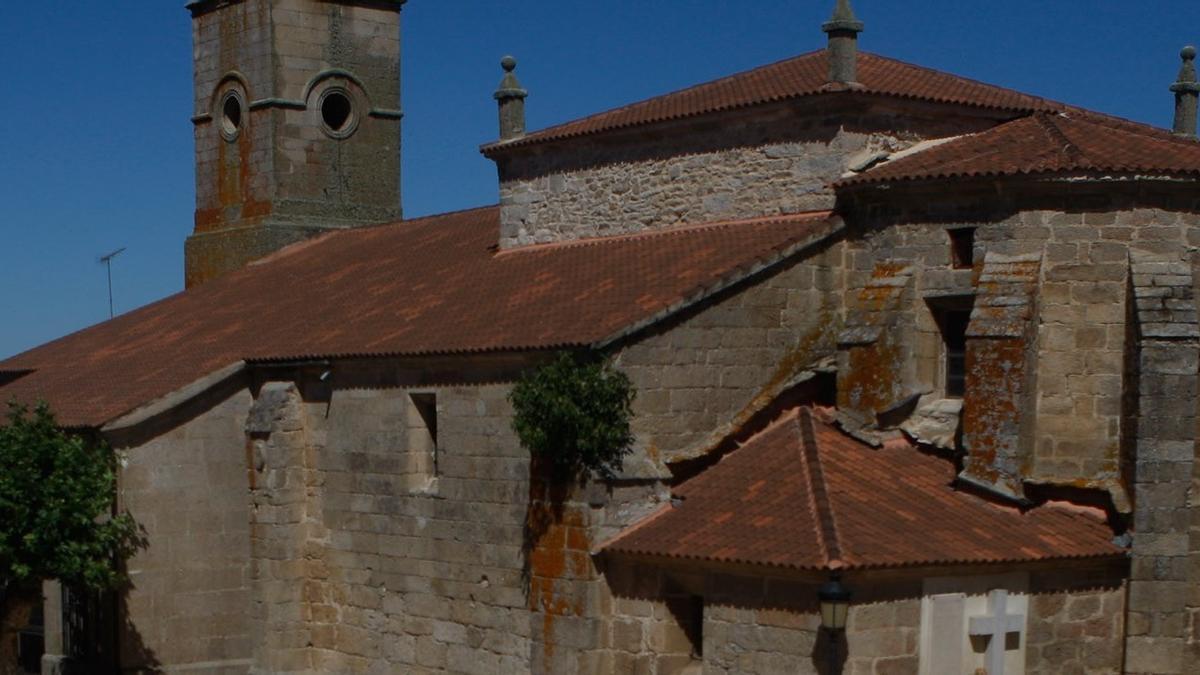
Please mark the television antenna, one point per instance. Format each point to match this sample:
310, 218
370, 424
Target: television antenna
107, 261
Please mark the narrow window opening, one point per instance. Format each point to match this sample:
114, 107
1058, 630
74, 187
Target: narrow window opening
953, 324
232, 114
688, 611
336, 111
425, 437
962, 247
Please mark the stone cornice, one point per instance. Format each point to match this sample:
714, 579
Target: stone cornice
201, 7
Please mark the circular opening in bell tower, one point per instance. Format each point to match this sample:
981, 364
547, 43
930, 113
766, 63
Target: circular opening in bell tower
337, 112
231, 116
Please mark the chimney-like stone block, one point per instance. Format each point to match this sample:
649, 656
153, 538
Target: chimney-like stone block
1187, 93
510, 97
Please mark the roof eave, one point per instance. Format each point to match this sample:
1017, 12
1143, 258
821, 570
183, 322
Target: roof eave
545, 137
1058, 177
1115, 555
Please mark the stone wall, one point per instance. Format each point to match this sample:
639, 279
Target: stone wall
191, 590
373, 555
1166, 358
700, 376
669, 622
399, 571
1071, 415
1076, 632
773, 160
766, 624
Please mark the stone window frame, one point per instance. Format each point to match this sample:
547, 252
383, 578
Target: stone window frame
962, 246
342, 83
232, 87
347, 129
422, 403
939, 306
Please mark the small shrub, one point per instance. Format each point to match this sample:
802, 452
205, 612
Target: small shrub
573, 413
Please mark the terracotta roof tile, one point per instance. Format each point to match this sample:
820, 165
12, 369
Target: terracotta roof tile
431, 285
803, 495
1045, 143
804, 75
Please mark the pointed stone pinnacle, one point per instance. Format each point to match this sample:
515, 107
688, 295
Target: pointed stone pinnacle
1187, 94
1187, 72
509, 87
843, 19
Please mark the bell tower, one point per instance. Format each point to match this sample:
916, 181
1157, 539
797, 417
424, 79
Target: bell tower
297, 123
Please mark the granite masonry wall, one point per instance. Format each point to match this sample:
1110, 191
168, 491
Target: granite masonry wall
191, 597
773, 160
1077, 351
1107, 400
373, 559
1076, 632
1166, 359
372, 555
672, 621
765, 625
701, 376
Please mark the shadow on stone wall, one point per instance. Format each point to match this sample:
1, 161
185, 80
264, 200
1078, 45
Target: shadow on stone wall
135, 655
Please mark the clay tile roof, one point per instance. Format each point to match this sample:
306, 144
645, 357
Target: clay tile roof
803, 495
1045, 143
804, 75
425, 286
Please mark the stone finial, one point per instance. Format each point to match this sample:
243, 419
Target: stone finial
843, 29
511, 98
1187, 92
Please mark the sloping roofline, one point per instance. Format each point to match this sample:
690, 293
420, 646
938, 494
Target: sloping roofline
400, 290
791, 78
802, 495
1068, 142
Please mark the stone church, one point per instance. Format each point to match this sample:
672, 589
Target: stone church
916, 363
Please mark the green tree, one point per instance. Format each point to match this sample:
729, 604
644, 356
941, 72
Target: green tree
574, 414
57, 493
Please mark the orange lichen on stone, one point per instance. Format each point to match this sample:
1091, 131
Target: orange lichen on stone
991, 408
871, 382
558, 552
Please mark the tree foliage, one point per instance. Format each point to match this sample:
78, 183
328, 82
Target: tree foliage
56, 497
574, 413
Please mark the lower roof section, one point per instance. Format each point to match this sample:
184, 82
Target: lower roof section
803, 495
433, 285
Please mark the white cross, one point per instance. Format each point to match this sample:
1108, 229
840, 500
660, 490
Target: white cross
997, 625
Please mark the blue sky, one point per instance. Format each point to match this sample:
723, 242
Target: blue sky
96, 143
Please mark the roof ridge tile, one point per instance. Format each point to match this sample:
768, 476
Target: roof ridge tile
786, 79
1066, 144
894, 507
820, 496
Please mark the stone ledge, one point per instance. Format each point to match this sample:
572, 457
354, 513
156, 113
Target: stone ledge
201, 7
